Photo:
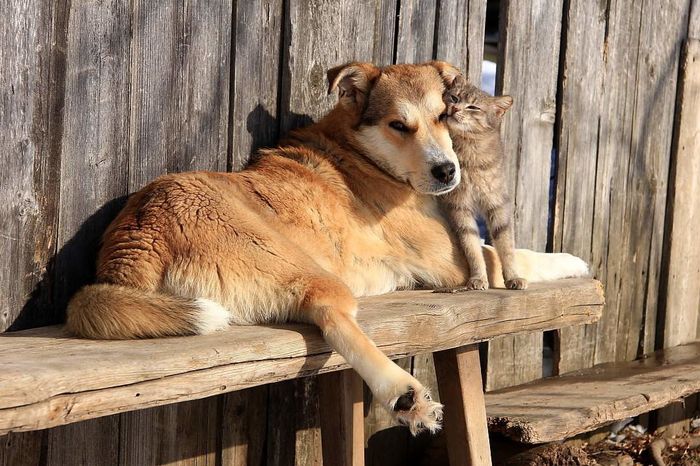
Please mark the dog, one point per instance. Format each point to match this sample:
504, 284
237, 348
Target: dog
343, 208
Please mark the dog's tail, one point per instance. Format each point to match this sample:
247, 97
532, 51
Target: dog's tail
114, 312
535, 266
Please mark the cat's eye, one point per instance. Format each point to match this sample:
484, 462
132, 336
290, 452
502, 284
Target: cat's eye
454, 99
399, 126
472, 107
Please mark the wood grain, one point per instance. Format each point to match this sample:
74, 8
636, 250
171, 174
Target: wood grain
244, 425
527, 69
48, 386
32, 40
416, 29
577, 130
459, 38
257, 37
342, 418
461, 391
561, 407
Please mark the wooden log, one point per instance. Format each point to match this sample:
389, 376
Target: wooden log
43, 381
527, 69
560, 407
342, 419
461, 391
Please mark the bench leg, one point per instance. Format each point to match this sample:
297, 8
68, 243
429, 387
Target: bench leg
342, 419
459, 381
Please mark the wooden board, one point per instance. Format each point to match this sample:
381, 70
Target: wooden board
32, 40
561, 407
527, 69
43, 372
460, 38
254, 120
577, 132
681, 295
631, 168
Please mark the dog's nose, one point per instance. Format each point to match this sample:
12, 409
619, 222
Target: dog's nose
444, 172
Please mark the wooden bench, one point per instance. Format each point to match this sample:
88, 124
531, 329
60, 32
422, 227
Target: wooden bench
557, 408
48, 378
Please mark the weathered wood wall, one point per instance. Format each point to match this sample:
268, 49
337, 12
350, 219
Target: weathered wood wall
98, 98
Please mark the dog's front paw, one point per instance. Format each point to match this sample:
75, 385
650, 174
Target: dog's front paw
417, 410
516, 284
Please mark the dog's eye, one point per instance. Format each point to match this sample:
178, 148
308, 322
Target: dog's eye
399, 126
472, 107
454, 99
442, 117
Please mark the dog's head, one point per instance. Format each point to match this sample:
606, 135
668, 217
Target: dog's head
400, 115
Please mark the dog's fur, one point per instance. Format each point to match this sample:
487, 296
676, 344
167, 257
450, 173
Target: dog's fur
341, 209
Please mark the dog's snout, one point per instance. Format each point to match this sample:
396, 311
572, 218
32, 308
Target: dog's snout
445, 172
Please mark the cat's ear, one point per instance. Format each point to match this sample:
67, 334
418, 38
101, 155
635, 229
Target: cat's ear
353, 81
502, 103
459, 81
448, 73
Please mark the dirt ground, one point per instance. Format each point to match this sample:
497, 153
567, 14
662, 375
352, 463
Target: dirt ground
631, 446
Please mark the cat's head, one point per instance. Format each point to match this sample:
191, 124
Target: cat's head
471, 110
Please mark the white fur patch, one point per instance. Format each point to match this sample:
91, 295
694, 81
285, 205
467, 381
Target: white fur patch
546, 267
212, 318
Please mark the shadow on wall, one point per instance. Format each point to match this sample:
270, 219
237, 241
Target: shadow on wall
68, 270
74, 264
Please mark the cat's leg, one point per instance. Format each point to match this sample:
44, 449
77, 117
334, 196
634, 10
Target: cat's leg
464, 223
500, 223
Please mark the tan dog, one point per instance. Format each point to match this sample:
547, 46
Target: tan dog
339, 210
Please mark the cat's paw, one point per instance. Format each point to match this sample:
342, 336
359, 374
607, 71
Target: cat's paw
516, 284
477, 283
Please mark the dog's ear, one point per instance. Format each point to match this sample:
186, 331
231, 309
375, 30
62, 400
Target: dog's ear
353, 81
503, 103
447, 71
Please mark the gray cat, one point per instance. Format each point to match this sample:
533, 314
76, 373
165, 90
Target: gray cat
474, 121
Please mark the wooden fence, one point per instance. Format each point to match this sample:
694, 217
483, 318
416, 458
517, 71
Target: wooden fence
99, 97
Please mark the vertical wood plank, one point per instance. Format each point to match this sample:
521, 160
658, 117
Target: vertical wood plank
32, 57
318, 35
181, 434
180, 56
342, 418
294, 436
461, 391
179, 116
527, 69
85, 443
459, 33
93, 173
679, 293
22, 449
384, 32
416, 30
577, 131
255, 80
244, 424
682, 265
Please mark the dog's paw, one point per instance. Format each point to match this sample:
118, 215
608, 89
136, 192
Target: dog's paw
516, 284
416, 410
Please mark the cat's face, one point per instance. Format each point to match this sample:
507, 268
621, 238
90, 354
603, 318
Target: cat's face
471, 110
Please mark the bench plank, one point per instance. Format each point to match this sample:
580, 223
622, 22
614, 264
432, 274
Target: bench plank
561, 407
48, 378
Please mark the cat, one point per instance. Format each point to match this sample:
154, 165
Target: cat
474, 121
